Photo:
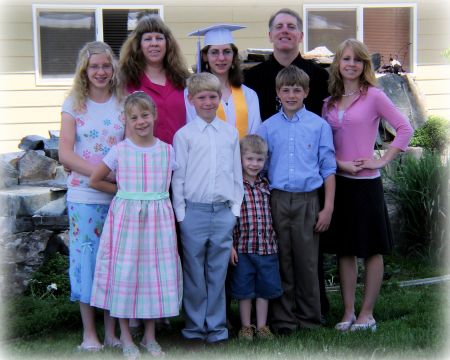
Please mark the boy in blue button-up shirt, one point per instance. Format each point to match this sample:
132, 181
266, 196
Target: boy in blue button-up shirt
301, 159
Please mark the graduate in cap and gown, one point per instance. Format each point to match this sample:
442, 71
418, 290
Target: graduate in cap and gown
239, 105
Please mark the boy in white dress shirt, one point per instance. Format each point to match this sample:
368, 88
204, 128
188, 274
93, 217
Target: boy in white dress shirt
207, 195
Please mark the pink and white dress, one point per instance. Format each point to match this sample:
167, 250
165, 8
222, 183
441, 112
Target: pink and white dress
137, 271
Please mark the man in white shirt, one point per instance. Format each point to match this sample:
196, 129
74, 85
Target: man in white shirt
207, 195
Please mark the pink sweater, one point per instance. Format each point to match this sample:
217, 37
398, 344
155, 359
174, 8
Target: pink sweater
169, 104
355, 135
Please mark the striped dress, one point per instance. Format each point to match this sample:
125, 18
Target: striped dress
137, 271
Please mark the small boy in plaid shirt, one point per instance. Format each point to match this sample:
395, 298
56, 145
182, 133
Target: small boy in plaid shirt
254, 253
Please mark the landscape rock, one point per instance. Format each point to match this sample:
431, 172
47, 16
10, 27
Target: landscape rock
51, 148
9, 176
61, 175
26, 200
12, 158
54, 208
54, 223
32, 142
415, 151
15, 224
35, 167
59, 243
22, 254
404, 93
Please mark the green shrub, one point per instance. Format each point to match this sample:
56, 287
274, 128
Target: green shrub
434, 135
421, 191
26, 315
54, 270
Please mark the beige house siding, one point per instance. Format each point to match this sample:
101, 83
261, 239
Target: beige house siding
26, 108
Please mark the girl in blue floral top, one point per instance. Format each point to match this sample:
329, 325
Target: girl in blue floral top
91, 124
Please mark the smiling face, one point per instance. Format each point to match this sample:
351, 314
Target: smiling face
99, 71
140, 124
350, 66
206, 103
153, 46
252, 164
219, 58
285, 35
292, 98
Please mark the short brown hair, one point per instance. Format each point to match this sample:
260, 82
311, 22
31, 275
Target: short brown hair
290, 12
292, 76
253, 143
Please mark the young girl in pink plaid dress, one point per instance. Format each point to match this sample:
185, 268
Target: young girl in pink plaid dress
136, 275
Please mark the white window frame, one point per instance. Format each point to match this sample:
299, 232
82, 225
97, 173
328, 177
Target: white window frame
97, 9
360, 22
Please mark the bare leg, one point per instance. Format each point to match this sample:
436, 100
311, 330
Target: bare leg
245, 310
110, 330
348, 272
90, 338
373, 277
262, 306
149, 340
149, 334
125, 335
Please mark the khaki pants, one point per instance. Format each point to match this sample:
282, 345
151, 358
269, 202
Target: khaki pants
294, 217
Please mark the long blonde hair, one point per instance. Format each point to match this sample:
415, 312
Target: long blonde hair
132, 60
80, 87
366, 79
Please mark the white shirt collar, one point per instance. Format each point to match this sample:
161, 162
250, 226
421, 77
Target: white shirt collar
202, 124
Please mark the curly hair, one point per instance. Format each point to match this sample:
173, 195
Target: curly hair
80, 87
235, 74
132, 60
366, 79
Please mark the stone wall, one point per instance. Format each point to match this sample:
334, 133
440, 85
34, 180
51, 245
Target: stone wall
33, 216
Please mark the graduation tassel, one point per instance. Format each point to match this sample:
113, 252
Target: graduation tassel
198, 55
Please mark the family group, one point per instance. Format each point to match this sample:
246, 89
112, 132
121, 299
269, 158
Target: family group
177, 180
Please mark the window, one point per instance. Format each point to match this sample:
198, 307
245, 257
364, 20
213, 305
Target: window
59, 32
389, 30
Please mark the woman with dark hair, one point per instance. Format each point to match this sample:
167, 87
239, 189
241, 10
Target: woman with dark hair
239, 104
151, 61
360, 225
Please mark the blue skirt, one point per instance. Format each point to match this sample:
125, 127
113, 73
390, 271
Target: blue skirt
85, 227
360, 224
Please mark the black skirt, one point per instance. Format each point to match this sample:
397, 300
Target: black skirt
360, 224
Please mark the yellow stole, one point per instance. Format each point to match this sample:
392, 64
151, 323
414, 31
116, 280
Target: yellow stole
240, 106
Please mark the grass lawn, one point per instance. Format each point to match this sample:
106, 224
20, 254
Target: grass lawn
413, 324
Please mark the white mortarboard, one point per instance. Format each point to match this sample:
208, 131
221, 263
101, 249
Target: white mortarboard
219, 34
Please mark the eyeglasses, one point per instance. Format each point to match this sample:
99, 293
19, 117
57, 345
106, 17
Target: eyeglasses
216, 53
106, 67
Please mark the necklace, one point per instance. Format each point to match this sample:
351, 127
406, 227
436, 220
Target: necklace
351, 93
